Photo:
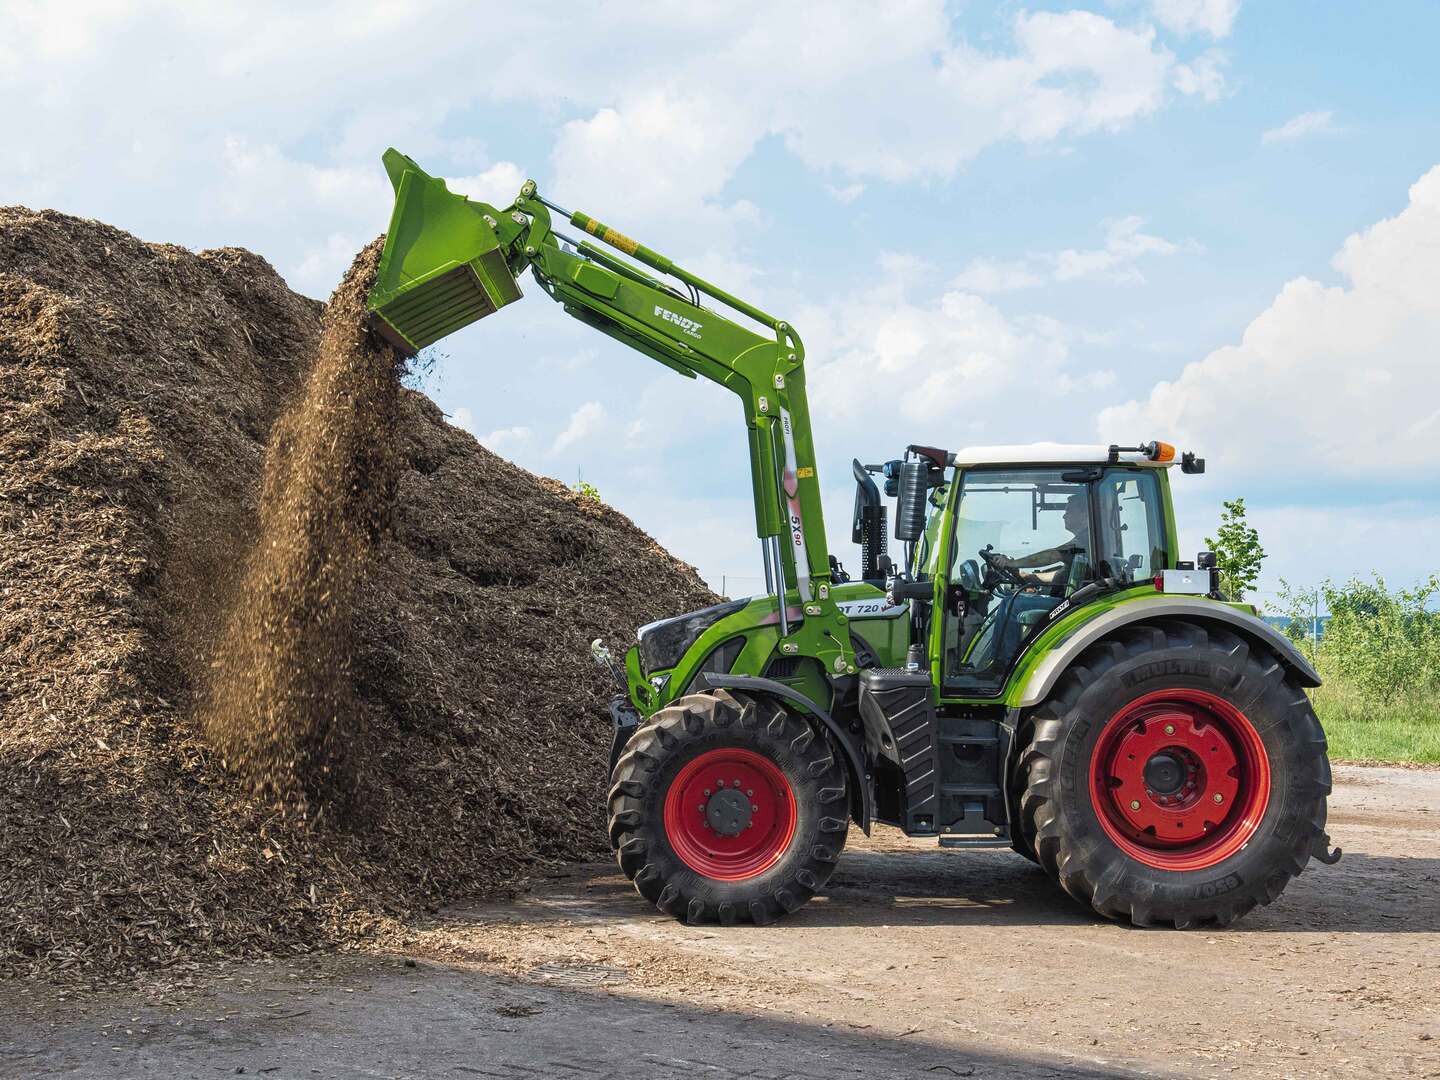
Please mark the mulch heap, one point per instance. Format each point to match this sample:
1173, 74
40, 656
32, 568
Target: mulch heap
139, 387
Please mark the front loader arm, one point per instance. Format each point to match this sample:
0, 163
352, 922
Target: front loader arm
449, 260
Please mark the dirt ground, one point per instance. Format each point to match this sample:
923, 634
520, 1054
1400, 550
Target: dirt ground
919, 963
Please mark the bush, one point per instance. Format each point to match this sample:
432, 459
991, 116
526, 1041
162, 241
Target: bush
1379, 655
1386, 644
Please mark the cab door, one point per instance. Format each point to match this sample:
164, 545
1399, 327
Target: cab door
1021, 543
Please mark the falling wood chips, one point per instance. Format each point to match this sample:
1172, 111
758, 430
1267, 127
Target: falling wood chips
139, 386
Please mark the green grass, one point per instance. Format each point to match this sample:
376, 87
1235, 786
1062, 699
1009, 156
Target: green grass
1406, 729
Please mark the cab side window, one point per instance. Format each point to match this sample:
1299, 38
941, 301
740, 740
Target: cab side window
1132, 543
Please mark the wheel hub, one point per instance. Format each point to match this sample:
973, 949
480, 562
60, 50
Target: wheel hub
1180, 779
728, 812
1165, 773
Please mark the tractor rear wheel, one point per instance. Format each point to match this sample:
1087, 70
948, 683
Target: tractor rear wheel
728, 807
1176, 776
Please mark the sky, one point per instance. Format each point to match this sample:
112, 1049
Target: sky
1205, 221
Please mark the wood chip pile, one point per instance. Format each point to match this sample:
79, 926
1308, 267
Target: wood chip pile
139, 386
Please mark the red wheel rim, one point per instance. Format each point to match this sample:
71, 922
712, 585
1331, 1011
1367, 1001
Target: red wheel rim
1180, 779
735, 789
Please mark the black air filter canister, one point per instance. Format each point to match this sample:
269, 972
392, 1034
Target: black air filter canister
910, 506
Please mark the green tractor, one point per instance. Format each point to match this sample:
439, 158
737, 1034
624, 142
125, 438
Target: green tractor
1037, 668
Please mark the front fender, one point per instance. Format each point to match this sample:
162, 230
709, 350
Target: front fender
1041, 680
862, 795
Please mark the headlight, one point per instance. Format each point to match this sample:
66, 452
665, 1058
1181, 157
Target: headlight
663, 643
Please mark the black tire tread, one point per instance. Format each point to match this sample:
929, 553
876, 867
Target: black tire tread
637, 839
1091, 873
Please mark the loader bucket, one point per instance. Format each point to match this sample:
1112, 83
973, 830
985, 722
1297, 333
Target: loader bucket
442, 267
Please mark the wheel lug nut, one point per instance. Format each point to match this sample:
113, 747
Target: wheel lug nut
755, 808
1134, 804
749, 794
707, 791
1169, 729
734, 783
1219, 797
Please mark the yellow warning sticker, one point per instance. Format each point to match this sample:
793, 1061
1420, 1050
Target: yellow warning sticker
621, 241
805, 473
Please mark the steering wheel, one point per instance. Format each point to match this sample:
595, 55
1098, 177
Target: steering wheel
1006, 573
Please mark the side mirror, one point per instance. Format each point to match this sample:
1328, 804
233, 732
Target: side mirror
969, 576
910, 506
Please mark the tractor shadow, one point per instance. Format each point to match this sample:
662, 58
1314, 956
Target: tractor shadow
1363, 893
941, 888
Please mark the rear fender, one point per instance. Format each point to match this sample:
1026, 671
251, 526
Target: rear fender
861, 795
1042, 678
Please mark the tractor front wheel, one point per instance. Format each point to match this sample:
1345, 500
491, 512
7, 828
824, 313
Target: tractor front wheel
1177, 776
728, 807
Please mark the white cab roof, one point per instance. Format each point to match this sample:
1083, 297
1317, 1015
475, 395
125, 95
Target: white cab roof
1049, 453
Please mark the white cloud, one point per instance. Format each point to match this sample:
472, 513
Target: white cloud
887, 92
1213, 17
263, 182
497, 185
1125, 245
685, 148
1203, 77
585, 422
847, 194
1310, 123
985, 275
944, 361
55, 33
193, 107
1342, 379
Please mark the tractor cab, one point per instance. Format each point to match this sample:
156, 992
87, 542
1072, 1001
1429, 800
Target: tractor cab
1001, 541
1024, 538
